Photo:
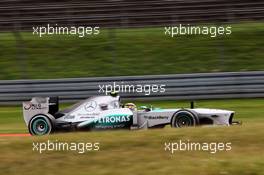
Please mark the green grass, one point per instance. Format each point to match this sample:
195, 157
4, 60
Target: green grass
131, 52
142, 152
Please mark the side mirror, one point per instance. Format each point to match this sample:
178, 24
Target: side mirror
143, 107
103, 106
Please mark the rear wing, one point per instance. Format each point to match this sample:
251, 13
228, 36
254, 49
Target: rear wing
40, 105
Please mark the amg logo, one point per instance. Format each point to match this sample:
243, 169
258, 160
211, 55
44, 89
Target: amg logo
114, 119
156, 117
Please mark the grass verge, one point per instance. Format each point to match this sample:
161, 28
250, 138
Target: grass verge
131, 52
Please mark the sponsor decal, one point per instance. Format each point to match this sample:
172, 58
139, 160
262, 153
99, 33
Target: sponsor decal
88, 116
90, 106
31, 106
110, 126
156, 117
114, 119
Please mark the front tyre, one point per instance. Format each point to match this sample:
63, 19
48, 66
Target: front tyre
183, 119
40, 125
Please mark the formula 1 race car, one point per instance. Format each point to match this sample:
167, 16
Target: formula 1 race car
106, 112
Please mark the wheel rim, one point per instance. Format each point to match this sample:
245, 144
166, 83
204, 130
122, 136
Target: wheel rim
184, 121
40, 126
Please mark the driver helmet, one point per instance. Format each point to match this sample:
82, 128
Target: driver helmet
131, 106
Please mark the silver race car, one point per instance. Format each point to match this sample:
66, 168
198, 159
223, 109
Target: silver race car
106, 112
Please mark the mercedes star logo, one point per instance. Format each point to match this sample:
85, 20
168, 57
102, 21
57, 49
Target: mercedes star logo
90, 106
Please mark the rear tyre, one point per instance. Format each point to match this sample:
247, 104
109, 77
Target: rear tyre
183, 119
40, 125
